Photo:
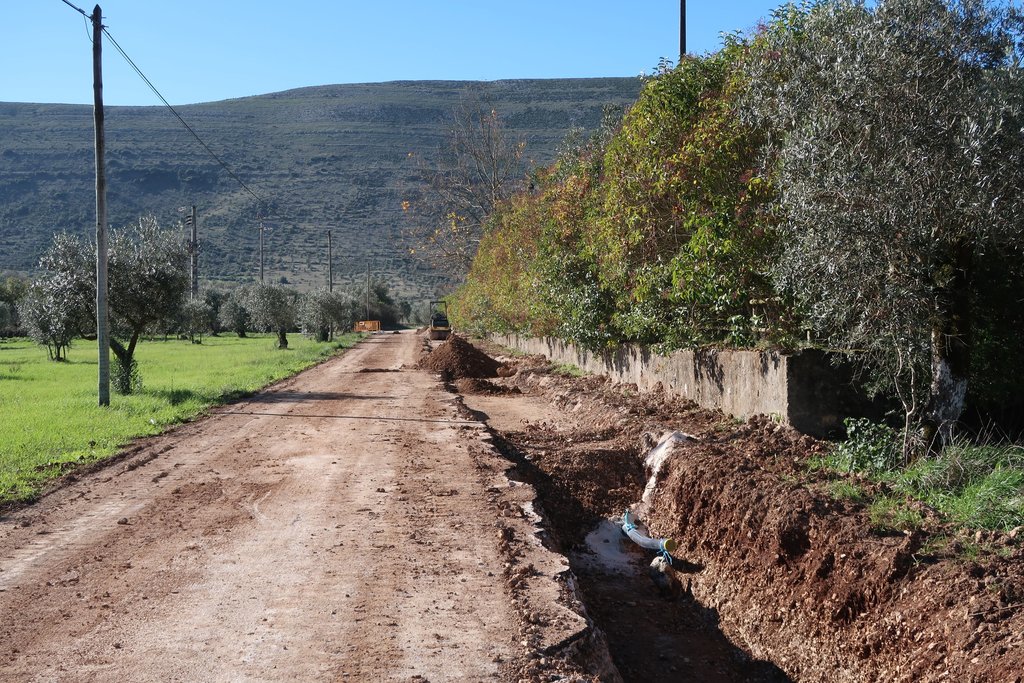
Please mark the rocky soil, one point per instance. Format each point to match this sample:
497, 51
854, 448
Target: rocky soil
780, 580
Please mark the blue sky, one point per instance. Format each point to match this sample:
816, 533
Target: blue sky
204, 50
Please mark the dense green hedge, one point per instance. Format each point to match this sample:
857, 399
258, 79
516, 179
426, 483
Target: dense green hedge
656, 233
833, 177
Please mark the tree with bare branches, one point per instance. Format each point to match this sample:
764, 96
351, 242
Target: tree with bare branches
480, 165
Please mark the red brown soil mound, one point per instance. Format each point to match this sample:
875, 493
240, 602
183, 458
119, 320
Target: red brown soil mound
808, 574
456, 358
475, 385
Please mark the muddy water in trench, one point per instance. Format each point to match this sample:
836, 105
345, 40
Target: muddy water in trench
582, 470
652, 637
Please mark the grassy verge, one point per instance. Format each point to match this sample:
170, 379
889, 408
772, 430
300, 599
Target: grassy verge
568, 370
970, 485
49, 420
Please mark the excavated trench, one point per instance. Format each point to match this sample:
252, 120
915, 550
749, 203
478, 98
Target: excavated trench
653, 634
586, 476
778, 579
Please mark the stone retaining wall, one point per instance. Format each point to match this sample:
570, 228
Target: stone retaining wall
805, 390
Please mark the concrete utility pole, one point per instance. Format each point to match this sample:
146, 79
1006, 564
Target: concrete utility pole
682, 29
102, 332
367, 291
261, 252
193, 250
330, 265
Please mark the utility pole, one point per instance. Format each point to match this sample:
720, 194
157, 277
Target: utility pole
682, 30
102, 332
330, 265
367, 290
193, 250
261, 252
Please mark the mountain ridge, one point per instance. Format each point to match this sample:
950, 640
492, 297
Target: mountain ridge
339, 157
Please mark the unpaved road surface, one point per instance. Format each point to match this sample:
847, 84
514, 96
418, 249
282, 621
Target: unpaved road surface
335, 527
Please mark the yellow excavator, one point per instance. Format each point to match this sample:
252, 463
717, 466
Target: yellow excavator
439, 328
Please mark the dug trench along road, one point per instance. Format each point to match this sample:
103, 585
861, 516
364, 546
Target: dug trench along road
334, 527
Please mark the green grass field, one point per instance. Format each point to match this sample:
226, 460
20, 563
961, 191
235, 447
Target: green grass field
50, 420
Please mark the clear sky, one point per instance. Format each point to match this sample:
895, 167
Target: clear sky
204, 50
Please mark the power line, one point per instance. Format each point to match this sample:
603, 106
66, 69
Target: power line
76, 8
85, 16
260, 202
180, 119
168, 105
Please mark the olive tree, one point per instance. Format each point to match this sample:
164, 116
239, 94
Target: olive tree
233, 314
195, 318
48, 319
58, 303
272, 308
322, 311
214, 299
12, 290
147, 277
898, 143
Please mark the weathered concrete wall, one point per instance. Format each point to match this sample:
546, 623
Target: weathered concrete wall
804, 390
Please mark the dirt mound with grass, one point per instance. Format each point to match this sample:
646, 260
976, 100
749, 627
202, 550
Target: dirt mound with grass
824, 586
456, 358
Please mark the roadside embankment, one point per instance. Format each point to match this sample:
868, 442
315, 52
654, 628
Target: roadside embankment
785, 579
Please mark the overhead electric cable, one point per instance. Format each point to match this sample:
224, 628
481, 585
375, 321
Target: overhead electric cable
168, 105
76, 8
261, 203
180, 119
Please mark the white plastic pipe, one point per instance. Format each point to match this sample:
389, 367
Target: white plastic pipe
662, 545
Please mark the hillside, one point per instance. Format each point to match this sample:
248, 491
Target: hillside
329, 157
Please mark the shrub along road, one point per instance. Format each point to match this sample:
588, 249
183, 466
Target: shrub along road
342, 523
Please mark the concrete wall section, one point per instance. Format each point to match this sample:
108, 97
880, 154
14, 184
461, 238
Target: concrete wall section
804, 390
822, 392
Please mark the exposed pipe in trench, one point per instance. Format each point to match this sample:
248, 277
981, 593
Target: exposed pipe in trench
653, 462
659, 545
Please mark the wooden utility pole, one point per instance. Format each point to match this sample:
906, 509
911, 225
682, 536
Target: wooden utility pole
193, 249
261, 252
330, 265
682, 30
102, 332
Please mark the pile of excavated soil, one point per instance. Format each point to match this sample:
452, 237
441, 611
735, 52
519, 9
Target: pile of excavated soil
809, 580
478, 386
456, 358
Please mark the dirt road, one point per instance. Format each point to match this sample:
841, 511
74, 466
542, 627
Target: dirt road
339, 526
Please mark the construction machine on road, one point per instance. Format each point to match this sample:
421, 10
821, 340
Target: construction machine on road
439, 327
